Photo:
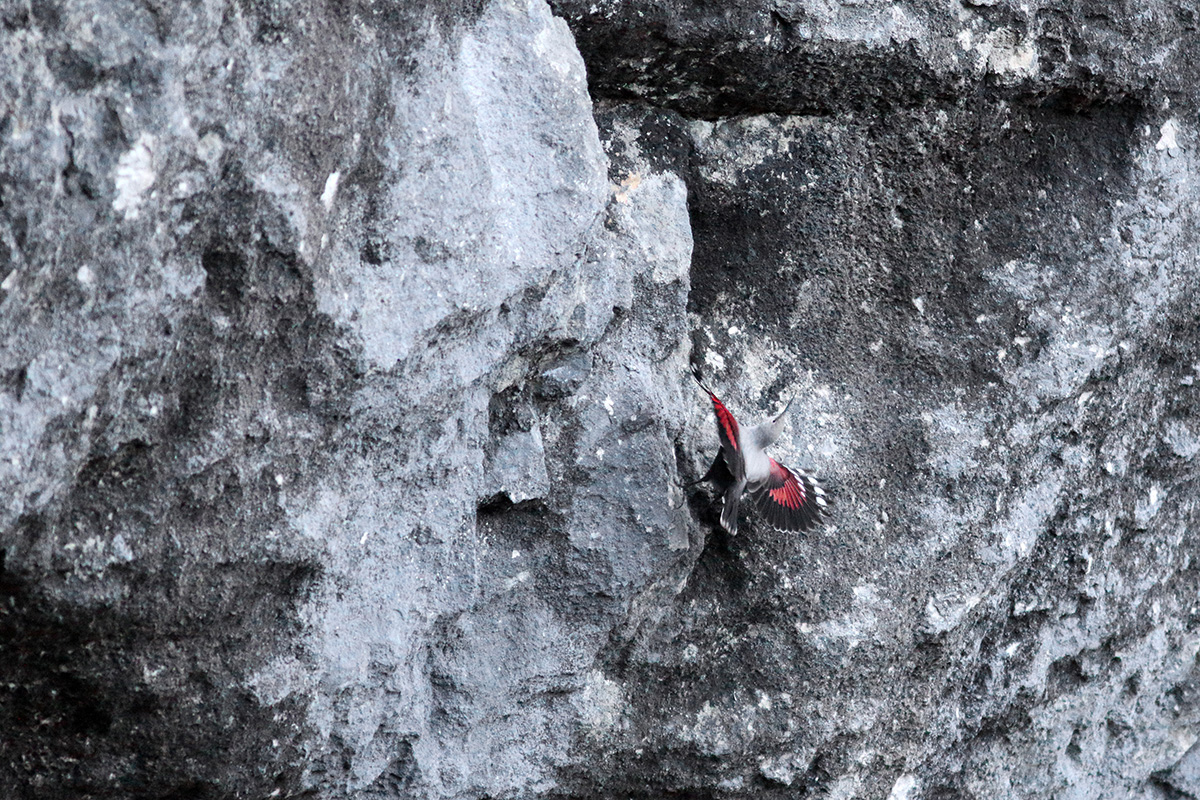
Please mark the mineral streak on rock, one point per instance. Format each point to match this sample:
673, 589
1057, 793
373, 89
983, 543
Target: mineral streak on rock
344, 404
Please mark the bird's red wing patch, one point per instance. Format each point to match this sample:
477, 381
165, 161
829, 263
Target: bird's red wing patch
790, 501
726, 424
727, 427
791, 494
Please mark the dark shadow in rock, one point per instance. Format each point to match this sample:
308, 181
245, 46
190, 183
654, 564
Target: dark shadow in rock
225, 277
720, 568
400, 779
127, 659
96, 693
573, 582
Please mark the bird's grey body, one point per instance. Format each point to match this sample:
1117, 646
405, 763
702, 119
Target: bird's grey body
755, 441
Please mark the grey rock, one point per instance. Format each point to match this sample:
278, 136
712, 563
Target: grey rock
345, 413
1185, 776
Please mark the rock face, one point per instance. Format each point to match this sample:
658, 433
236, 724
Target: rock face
344, 402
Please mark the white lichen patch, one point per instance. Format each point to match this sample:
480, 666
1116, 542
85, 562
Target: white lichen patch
860, 624
516, 580
1009, 55
1182, 439
784, 769
1027, 518
902, 788
711, 732
121, 551
330, 192
737, 146
1167, 136
209, 149
714, 359
133, 176
954, 434
1148, 507
276, 680
946, 611
601, 705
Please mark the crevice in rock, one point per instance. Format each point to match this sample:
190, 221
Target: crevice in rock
755, 59
226, 276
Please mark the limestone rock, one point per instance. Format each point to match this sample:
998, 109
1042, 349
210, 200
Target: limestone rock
345, 411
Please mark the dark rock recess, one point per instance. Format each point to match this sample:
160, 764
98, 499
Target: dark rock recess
344, 401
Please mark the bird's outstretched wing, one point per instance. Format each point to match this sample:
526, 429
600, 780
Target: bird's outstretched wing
719, 474
790, 501
727, 429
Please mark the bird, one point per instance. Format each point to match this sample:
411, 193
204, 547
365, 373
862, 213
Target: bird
790, 500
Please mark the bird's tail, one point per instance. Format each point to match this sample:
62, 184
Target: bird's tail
729, 514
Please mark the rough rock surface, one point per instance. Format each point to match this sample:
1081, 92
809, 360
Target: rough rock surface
344, 400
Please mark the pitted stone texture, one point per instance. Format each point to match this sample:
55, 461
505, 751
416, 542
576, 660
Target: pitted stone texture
815, 57
344, 401
985, 327
298, 302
